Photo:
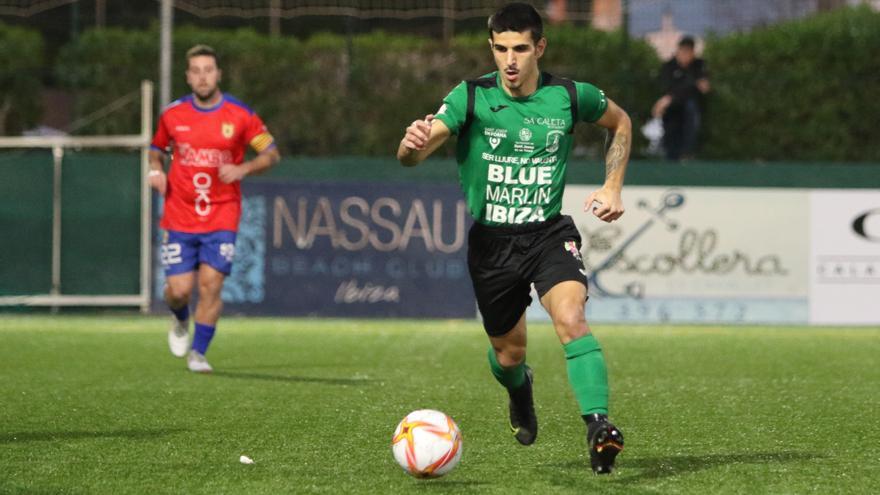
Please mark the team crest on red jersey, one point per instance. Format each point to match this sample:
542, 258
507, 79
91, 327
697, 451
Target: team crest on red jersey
227, 129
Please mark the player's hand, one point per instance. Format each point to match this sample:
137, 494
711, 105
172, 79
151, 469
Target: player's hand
230, 173
158, 181
417, 134
605, 204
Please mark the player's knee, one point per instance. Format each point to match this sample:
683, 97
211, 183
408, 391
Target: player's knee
571, 324
177, 295
510, 355
210, 290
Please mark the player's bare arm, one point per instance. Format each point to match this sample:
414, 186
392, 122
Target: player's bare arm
618, 145
422, 138
156, 177
264, 160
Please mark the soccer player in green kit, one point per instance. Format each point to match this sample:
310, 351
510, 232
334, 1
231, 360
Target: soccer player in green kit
514, 130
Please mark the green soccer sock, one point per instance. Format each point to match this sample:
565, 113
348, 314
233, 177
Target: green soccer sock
587, 374
511, 378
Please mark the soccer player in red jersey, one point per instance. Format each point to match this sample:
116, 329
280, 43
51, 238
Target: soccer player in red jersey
207, 133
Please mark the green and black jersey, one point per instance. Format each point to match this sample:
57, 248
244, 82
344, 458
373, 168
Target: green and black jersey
512, 151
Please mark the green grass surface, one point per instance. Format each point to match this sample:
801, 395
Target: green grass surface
98, 405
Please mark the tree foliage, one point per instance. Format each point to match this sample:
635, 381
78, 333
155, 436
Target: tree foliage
804, 90
331, 95
21, 65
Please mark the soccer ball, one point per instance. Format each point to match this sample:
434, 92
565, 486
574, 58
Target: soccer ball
427, 444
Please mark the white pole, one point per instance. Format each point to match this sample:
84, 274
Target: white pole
166, 25
146, 196
58, 157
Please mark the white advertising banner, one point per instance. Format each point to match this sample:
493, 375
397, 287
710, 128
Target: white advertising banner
699, 255
845, 257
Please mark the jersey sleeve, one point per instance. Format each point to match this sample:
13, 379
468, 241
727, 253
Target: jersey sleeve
454, 109
257, 135
162, 138
592, 102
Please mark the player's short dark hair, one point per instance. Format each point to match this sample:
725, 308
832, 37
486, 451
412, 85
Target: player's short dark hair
518, 17
686, 41
200, 50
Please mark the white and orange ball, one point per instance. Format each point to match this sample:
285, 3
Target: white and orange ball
427, 443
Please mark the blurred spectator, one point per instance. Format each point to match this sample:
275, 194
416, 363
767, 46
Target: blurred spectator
557, 11
684, 80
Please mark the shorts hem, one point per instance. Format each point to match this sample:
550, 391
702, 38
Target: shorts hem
556, 282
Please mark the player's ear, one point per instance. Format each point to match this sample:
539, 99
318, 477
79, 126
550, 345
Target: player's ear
540, 46
219, 75
491, 45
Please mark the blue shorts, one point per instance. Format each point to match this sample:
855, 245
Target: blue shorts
182, 252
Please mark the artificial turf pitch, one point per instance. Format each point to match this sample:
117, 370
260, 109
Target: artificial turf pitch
98, 405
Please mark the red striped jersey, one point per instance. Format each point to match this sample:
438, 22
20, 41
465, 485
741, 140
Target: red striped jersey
200, 141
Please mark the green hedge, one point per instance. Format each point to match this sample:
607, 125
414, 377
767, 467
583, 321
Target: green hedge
328, 95
805, 90
21, 65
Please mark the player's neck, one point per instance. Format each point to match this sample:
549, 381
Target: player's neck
526, 88
211, 101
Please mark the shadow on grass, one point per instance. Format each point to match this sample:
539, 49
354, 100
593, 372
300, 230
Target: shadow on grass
653, 468
54, 436
242, 375
634, 471
444, 484
284, 366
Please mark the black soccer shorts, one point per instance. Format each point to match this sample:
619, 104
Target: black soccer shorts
505, 261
